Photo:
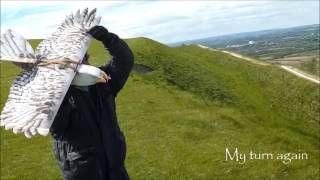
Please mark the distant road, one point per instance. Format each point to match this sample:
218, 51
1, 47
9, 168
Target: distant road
246, 58
300, 73
236, 55
289, 69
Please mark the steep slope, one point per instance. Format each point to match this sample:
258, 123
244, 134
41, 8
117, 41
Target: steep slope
221, 77
179, 118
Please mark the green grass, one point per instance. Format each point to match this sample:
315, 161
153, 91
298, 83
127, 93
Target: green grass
179, 119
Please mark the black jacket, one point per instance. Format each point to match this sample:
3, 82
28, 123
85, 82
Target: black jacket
88, 118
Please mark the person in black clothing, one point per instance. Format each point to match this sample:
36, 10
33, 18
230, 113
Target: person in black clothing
88, 143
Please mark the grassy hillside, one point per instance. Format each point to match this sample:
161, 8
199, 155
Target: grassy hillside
179, 119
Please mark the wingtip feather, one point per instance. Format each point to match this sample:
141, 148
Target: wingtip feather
43, 131
15, 48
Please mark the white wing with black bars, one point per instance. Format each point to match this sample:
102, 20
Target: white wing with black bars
37, 93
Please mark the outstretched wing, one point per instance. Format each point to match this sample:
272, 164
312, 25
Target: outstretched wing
70, 40
36, 94
13, 47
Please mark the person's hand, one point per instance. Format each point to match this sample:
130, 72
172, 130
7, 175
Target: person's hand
98, 32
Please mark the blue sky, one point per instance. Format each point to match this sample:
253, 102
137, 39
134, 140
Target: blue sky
164, 21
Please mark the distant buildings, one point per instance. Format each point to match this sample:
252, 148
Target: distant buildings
251, 42
239, 45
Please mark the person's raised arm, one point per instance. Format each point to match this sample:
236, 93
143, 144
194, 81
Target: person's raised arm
122, 59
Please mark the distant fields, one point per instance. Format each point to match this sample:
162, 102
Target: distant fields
179, 119
276, 45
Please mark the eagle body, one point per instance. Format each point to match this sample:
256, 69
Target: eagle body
37, 93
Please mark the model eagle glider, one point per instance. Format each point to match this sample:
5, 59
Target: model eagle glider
37, 93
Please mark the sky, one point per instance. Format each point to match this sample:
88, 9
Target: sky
163, 21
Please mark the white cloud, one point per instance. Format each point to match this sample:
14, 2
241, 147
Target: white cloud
164, 21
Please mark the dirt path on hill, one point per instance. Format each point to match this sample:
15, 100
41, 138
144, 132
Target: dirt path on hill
300, 73
289, 69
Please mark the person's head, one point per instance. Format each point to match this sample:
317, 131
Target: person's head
85, 59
